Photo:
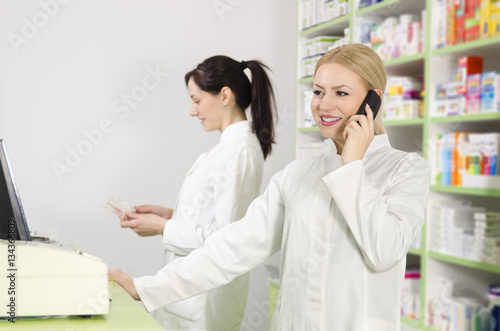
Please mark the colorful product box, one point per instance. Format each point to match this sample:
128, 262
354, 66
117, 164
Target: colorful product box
364, 3
489, 92
455, 102
473, 97
459, 21
467, 65
440, 100
484, 19
440, 32
450, 22
472, 25
494, 26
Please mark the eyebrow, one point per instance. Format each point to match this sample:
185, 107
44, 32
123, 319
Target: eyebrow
333, 87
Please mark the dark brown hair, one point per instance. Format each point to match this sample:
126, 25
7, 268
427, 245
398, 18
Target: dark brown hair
218, 71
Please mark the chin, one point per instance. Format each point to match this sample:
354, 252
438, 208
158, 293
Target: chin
327, 133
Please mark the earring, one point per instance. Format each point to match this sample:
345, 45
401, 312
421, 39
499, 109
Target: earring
225, 107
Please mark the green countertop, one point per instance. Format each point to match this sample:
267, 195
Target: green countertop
124, 314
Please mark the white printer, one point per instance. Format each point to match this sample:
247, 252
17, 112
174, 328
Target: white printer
38, 279
48, 280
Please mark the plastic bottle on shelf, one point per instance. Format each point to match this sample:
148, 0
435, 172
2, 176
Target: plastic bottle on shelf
488, 318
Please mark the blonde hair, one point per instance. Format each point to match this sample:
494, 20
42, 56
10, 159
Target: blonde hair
366, 63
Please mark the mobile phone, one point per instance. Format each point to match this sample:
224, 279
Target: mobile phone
119, 206
373, 100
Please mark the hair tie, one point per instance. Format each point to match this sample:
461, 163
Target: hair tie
243, 65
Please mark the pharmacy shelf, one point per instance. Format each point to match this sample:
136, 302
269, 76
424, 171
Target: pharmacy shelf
376, 8
467, 118
407, 122
409, 59
477, 46
412, 65
307, 80
466, 191
408, 321
415, 251
464, 262
432, 65
332, 27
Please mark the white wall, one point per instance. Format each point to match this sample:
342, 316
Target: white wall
65, 67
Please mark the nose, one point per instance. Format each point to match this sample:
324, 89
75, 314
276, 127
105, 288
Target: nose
193, 111
328, 102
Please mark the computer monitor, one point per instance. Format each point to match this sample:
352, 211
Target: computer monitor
11, 211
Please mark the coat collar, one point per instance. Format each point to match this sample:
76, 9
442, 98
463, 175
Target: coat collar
235, 130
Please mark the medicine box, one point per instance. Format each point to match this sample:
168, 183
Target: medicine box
489, 89
467, 65
308, 117
440, 109
343, 7
472, 25
473, 97
308, 48
494, 26
321, 43
441, 26
459, 21
450, 22
484, 19
331, 9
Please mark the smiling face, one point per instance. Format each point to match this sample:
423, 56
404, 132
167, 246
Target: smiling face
207, 107
337, 94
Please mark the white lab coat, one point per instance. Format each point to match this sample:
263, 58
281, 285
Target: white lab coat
343, 231
217, 191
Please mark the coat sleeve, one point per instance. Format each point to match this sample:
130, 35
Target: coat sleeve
383, 224
227, 254
234, 188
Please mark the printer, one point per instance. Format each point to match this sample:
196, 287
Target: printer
39, 279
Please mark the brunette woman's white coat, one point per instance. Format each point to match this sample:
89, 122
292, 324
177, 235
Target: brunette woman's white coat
217, 191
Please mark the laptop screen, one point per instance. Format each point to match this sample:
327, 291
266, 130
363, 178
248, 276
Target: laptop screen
13, 223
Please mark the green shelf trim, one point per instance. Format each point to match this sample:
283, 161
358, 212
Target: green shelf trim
339, 20
375, 7
467, 118
404, 60
406, 122
466, 190
411, 322
311, 129
466, 263
470, 46
307, 80
415, 251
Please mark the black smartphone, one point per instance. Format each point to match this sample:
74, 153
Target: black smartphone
373, 100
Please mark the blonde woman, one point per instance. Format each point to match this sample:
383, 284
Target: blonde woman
344, 220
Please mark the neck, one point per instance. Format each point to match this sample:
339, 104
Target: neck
231, 118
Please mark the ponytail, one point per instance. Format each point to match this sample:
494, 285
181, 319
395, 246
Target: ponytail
218, 71
262, 106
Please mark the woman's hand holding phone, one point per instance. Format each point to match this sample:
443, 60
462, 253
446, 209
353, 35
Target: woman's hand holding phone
358, 135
